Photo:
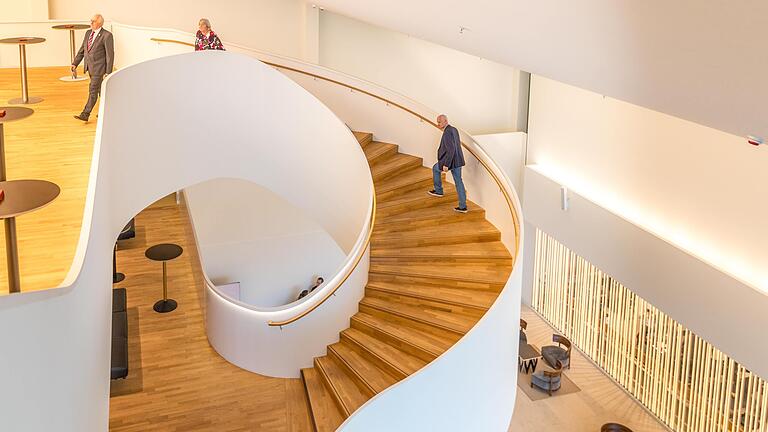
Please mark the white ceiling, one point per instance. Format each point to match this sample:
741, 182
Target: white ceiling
702, 60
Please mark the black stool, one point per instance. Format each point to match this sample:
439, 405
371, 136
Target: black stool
164, 252
128, 232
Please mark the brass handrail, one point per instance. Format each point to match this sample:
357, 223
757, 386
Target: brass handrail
485, 165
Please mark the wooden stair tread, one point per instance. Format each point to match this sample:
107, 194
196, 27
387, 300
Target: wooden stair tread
394, 164
432, 343
405, 180
433, 274
325, 413
363, 137
348, 396
485, 250
449, 191
472, 272
441, 212
404, 363
481, 300
376, 150
364, 370
444, 234
464, 227
449, 321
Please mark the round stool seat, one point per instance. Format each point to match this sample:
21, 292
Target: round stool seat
71, 27
24, 196
14, 113
164, 252
22, 40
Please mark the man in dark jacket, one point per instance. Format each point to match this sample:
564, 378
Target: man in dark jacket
98, 52
449, 158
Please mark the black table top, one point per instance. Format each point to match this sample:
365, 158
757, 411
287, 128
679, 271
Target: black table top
163, 252
13, 113
71, 27
22, 40
24, 196
528, 352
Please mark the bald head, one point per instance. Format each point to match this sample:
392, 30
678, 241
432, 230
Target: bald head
442, 121
97, 22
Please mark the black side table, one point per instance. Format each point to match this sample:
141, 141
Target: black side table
164, 252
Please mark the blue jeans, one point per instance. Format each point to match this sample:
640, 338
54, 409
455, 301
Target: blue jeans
438, 181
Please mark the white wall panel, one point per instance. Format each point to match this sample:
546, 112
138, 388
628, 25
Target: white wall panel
700, 189
277, 26
719, 308
479, 94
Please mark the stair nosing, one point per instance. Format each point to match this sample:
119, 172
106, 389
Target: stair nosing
445, 278
413, 318
309, 400
401, 340
383, 360
334, 391
352, 368
427, 298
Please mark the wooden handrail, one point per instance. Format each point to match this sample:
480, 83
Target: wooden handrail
485, 165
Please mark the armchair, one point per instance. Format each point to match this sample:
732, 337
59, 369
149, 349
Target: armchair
547, 380
552, 354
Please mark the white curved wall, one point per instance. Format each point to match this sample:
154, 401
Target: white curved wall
245, 233
55, 352
241, 334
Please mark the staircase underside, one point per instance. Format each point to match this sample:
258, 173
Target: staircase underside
433, 274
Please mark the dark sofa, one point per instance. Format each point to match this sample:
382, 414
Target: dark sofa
119, 366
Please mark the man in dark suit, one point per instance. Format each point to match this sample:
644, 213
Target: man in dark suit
98, 51
450, 157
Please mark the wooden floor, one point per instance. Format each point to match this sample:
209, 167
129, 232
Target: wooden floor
49, 145
600, 400
177, 382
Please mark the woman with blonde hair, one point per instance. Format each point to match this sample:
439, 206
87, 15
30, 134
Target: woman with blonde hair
206, 39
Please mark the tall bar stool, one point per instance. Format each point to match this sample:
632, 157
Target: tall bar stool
164, 252
72, 48
22, 42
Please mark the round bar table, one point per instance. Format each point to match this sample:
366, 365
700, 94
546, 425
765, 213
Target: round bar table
21, 196
22, 42
72, 48
164, 252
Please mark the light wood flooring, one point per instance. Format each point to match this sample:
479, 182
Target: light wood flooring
49, 145
176, 381
600, 400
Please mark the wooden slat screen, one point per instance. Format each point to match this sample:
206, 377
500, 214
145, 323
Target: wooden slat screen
685, 381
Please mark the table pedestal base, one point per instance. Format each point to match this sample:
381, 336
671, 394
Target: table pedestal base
20, 101
69, 78
165, 306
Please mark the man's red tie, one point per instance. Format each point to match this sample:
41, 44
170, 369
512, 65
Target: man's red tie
90, 40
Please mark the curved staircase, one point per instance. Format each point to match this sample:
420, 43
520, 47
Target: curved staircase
433, 274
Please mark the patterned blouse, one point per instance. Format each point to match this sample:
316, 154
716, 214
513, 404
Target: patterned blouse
212, 42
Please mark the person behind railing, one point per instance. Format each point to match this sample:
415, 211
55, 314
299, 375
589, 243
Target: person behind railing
206, 39
449, 157
317, 283
98, 51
